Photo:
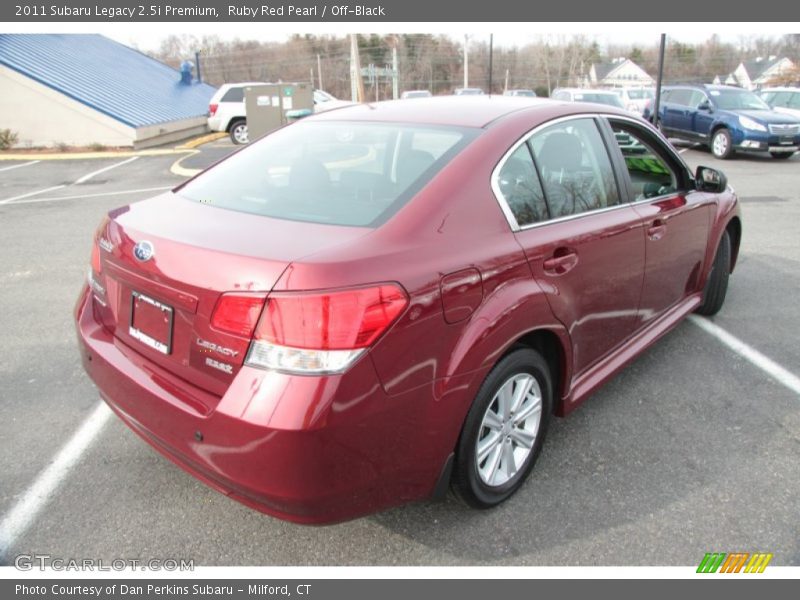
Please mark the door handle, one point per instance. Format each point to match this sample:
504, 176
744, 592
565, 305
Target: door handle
657, 230
563, 260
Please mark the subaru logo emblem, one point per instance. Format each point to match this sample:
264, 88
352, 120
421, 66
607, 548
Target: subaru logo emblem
143, 251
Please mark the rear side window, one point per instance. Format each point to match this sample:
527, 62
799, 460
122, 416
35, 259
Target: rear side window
343, 173
520, 187
575, 168
235, 94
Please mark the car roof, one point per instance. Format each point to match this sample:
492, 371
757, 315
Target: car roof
456, 111
585, 90
783, 88
703, 86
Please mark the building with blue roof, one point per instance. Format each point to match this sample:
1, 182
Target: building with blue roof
81, 90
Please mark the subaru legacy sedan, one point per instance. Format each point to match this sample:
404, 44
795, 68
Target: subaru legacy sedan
376, 304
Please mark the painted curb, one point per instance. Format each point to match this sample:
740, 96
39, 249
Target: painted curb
177, 169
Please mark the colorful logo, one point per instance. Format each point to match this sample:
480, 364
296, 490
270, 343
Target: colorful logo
734, 562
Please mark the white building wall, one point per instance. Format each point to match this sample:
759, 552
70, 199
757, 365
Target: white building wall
44, 117
628, 74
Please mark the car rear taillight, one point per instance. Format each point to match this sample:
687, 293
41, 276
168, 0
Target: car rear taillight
97, 266
323, 332
237, 313
212, 109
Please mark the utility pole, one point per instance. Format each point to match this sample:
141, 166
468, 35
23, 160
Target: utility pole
197, 64
395, 75
491, 46
319, 73
356, 81
505, 86
660, 78
466, 61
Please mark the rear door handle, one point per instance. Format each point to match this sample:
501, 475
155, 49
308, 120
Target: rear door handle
564, 260
657, 230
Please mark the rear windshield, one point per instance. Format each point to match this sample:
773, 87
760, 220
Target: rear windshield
611, 99
640, 94
342, 173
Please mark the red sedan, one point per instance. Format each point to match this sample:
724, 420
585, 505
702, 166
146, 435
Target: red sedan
374, 304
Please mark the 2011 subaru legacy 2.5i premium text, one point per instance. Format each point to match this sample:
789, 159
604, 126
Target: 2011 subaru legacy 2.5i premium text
372, 304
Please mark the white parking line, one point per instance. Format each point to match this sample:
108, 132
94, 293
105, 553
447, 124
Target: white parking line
29, 194
22, 514
27, 164
753, 356
96, 195
87, 177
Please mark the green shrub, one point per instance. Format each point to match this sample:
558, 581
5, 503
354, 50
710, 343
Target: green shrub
96, 147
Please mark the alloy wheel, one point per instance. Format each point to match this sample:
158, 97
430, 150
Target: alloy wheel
508, 430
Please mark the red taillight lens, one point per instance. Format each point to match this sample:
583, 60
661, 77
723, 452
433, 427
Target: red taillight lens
212, 109
237, 313
341, 320
97, 267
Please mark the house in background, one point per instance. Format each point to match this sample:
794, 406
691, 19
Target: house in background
618, 72
87, 89
756, 73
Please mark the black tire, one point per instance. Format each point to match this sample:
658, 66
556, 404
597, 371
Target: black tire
717, 283
722, 144
238, 132
782, 155
467, 482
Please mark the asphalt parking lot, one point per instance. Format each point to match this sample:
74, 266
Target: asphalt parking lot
691, 449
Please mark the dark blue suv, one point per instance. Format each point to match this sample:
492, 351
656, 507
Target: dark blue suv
727, 119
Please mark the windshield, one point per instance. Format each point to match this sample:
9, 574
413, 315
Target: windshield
643, 94
343, 173
737, 100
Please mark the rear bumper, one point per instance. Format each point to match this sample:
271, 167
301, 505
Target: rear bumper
305, 449
215, 123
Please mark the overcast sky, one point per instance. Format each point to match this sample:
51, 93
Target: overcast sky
148, 36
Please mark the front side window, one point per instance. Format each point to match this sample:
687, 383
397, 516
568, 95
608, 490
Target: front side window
650, 174
696, 98
343, 173
575, 168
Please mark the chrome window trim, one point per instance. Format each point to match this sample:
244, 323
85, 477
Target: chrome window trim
506, 209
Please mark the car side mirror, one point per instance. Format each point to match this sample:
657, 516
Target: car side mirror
705, 105
710, 180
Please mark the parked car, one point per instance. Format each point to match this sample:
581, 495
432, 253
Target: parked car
587, 95
226, 110
635, 99
523, 93
784, 99
415, 94
371, 304
468, 91
728, 119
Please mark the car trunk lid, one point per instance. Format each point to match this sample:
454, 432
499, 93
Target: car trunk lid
165, 264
